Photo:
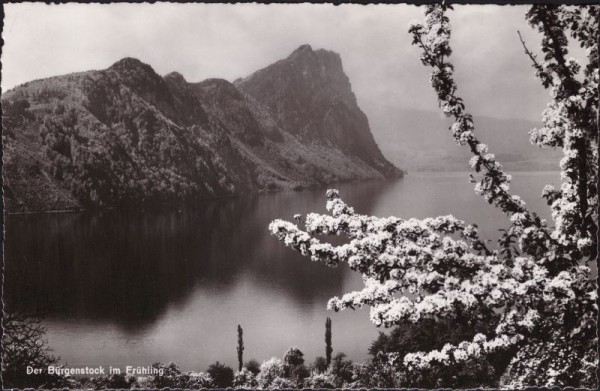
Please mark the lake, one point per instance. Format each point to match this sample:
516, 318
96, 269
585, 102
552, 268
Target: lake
132, 288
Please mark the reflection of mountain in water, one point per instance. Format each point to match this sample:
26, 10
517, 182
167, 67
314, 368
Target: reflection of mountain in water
128, 268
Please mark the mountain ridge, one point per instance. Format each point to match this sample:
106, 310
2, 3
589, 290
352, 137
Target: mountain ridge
420, 140
128, 136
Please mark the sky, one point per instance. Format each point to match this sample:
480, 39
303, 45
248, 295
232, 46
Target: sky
233, 40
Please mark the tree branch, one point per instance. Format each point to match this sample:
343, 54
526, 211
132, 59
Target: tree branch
546, 79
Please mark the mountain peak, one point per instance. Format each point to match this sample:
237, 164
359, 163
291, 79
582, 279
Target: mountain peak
306, 48
303, 75
310, 96
134, 69
176, 76
128, 63
322, 56
220, 87
320, 60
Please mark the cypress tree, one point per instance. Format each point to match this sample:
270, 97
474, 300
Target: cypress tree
240, 347
328, 348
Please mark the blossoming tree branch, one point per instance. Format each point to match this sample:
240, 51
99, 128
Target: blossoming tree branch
536, 285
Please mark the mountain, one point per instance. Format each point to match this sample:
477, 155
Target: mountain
128, 136
421, 141
322, 109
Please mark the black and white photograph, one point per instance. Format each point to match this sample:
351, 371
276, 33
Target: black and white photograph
299, 196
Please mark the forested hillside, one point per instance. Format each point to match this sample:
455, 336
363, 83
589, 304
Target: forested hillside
128, 136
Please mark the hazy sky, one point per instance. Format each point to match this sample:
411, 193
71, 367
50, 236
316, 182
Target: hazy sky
231, 41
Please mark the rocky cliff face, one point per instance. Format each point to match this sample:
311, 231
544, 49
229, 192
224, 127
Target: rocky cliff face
310, 96
127, 136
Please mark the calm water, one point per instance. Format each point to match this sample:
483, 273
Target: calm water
139, 287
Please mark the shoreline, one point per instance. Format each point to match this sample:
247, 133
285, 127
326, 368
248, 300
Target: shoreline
169, 205
262, 192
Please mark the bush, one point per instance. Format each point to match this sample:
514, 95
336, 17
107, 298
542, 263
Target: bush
429, 335
245, 379
320, 380
269, 371
319, 365
281, 383
341, 369
171, 377
200, 380
253, 366
221, 374
293, 366
24, 344
293, 357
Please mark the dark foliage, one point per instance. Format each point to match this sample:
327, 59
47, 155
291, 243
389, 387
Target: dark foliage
328, 348
320, 364
430, 335
24, 344
240, 347
253, 366
222, 375
342, 369
15, 113
293, 365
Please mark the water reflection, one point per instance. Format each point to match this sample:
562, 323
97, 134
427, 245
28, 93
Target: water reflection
127, 267
135, 287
